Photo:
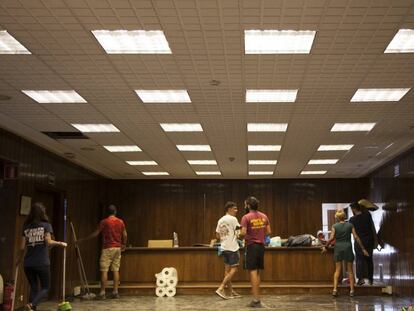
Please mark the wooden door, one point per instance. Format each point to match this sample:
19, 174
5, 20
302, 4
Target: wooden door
331, 219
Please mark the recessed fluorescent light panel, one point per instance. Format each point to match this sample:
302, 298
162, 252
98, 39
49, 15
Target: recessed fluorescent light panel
202, 162
163, 96
379, 95
271, 96
142, 162
54, 97
261, 173
264, 147
133, 41
194, 147
125, 148
208, 173
323, 161
267, 127
181, 127
313, 172
352, 127
278, 41
334, 147
403, 42
262, 162
96, 128
9, 45
155, 173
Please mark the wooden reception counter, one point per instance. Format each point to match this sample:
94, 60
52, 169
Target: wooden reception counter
201, 264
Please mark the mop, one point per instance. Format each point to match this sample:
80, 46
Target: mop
81, 268
64, 305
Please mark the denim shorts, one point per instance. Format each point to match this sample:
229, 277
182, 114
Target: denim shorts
231, 258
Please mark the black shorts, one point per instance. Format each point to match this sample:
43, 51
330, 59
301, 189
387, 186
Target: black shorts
254, 257
231, 258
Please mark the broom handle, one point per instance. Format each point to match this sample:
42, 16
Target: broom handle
77, 256
65, 207
64, 274
16, 274
80, 275
84, 273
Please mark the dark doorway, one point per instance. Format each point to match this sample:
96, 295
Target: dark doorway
52, 200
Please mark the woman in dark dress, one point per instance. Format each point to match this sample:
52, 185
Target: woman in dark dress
341, 232
34, 246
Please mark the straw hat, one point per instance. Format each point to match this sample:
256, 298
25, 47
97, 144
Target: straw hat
368, 204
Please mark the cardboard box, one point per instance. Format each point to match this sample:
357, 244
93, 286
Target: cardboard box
160, 243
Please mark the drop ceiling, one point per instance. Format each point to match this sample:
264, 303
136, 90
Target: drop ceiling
207, 43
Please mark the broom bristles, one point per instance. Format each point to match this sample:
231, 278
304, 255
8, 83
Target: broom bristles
64, 306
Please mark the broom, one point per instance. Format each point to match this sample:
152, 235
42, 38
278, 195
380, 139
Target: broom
64, 305
82, 274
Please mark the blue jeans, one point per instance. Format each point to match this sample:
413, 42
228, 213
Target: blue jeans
34, 276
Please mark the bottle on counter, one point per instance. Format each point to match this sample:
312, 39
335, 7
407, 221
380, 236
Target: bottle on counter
175, 239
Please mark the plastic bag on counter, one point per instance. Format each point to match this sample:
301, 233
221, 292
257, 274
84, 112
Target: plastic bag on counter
275, 242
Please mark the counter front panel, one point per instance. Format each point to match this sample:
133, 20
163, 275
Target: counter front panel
201, 264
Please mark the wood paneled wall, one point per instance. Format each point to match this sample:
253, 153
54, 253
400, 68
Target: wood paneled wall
155, 209
83, 190
393, 184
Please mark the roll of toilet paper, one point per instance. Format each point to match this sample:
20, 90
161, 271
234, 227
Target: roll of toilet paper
169, 272
161, 282
170, 291
172, 281
160, 291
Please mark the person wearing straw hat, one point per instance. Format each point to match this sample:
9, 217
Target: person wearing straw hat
37, 237
365, 228
114, 238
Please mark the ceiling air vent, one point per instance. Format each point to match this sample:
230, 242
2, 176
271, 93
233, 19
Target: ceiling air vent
66, 135
4, 97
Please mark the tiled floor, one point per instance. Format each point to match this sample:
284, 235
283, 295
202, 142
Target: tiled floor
213, 302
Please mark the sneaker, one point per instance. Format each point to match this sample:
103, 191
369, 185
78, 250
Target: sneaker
360, 282
371, 282
222, 294
255, 304
114, 296
235, 294
100, 297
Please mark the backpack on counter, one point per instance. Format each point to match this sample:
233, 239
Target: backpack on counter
300, 240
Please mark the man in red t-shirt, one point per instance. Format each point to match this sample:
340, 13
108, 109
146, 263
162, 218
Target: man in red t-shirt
255, 226
114, 238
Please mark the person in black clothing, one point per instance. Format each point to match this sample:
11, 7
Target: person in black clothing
364, 226
36, 239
